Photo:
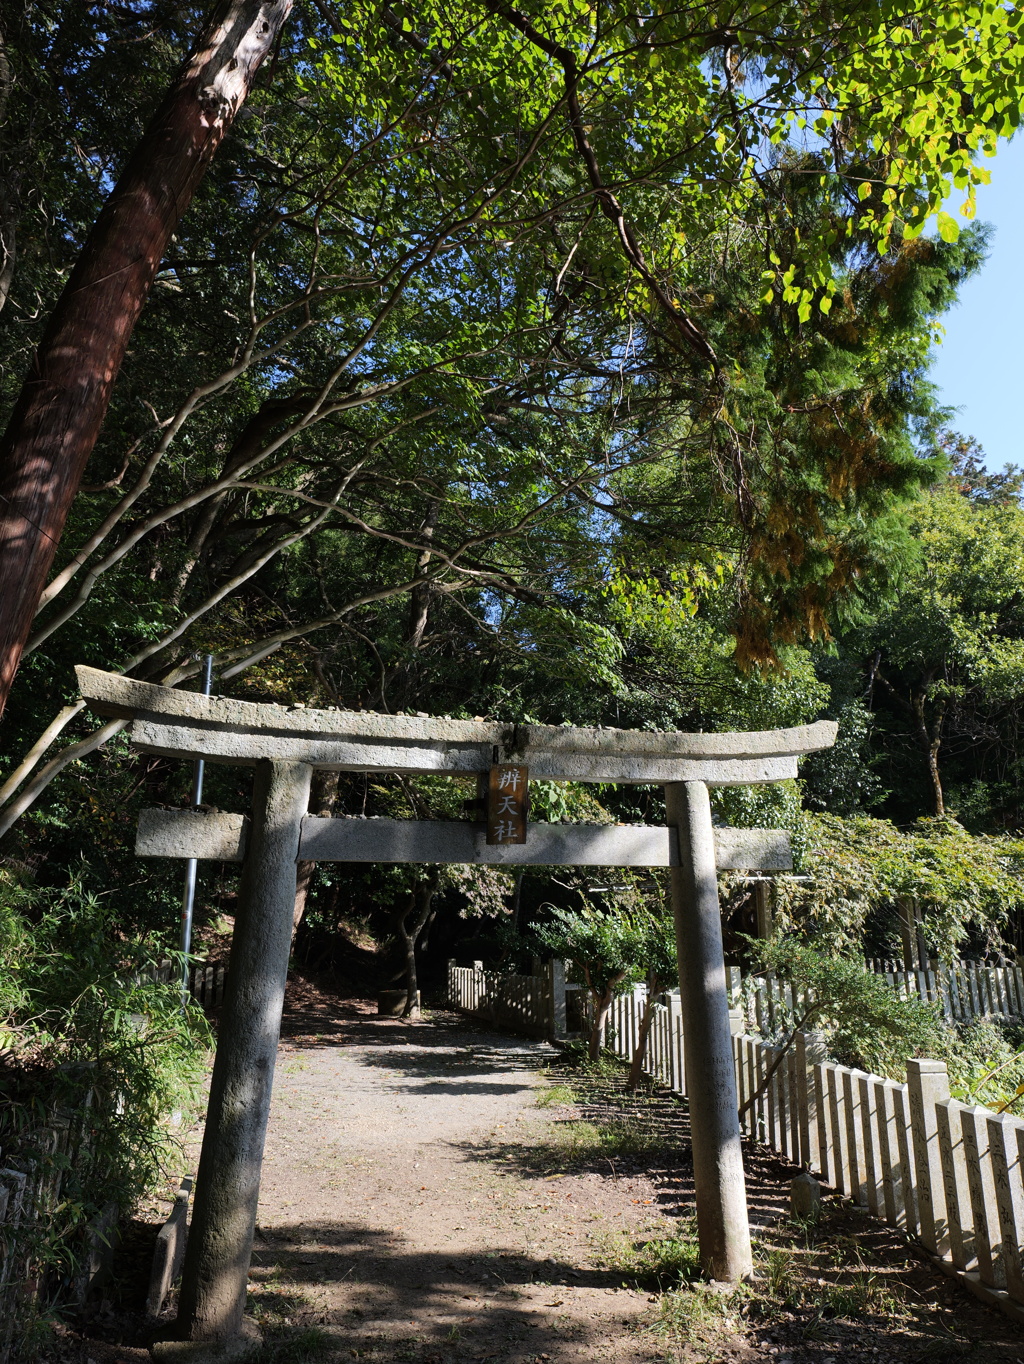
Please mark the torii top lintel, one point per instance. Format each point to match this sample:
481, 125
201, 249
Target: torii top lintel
219, 729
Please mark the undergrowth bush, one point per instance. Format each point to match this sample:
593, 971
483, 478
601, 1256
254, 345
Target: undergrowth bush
869, 1025
94, 1049
985, 1059
659, 1261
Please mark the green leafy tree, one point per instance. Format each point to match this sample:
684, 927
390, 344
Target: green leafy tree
867, 1024
860, 868
607, 947
944, 656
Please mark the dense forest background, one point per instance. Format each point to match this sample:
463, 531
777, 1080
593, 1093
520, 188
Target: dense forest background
405, 426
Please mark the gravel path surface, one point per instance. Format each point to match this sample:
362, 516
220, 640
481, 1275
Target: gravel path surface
388, 1219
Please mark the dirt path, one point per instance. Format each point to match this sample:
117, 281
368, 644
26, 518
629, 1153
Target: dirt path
385, 1221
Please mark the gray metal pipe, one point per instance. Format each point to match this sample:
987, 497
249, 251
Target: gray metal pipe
188, 898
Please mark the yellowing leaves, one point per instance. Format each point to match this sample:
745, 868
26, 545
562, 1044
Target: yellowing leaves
949, 228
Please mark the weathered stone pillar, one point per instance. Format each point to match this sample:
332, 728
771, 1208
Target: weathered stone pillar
722, 1226
928, 1085
557, 1026
228, 1183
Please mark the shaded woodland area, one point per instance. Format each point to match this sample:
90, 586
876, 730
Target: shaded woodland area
549, 366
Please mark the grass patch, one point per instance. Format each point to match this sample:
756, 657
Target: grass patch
805, 1276
780, 1277
863, 1294
274, 1303
307, 1346
700, 1318
555, 1096
575, 1057
660, 1262
577, 1142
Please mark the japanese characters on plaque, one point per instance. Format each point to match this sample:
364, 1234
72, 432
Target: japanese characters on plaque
507, 804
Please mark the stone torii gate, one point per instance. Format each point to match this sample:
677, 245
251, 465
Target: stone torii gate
285, 744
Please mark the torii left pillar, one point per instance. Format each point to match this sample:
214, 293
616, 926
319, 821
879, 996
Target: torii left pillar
216, 1270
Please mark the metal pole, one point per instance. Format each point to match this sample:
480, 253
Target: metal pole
188, 899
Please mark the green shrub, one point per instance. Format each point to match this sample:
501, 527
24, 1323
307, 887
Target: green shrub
661, 1262
869, 1025
93, 1047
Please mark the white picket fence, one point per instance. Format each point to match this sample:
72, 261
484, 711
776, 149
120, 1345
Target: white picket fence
949, 1174
964, 989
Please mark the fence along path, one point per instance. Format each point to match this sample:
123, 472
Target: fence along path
520, 1003
964, 989
949, 1174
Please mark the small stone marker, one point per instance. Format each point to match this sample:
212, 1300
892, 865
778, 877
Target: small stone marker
804, 1198
169, 1251
507, 804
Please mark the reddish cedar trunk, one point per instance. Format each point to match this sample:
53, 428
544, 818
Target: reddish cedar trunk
58, 415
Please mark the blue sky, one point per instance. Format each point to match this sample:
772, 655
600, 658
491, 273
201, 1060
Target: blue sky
978, 367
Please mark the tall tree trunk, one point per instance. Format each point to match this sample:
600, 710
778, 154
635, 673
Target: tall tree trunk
410, 923
931, 742
602, 1003
636, 1065
323, 792
58, 415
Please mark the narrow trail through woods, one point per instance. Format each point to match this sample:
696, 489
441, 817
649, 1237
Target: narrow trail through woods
391, 1216
411, 1210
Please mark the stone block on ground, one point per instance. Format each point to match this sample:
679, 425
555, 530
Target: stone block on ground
804, 1197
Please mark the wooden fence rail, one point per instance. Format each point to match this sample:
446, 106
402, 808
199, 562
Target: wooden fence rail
205, 979
949, 1174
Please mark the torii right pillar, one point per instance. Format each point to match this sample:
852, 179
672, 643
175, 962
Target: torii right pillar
723, 1230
